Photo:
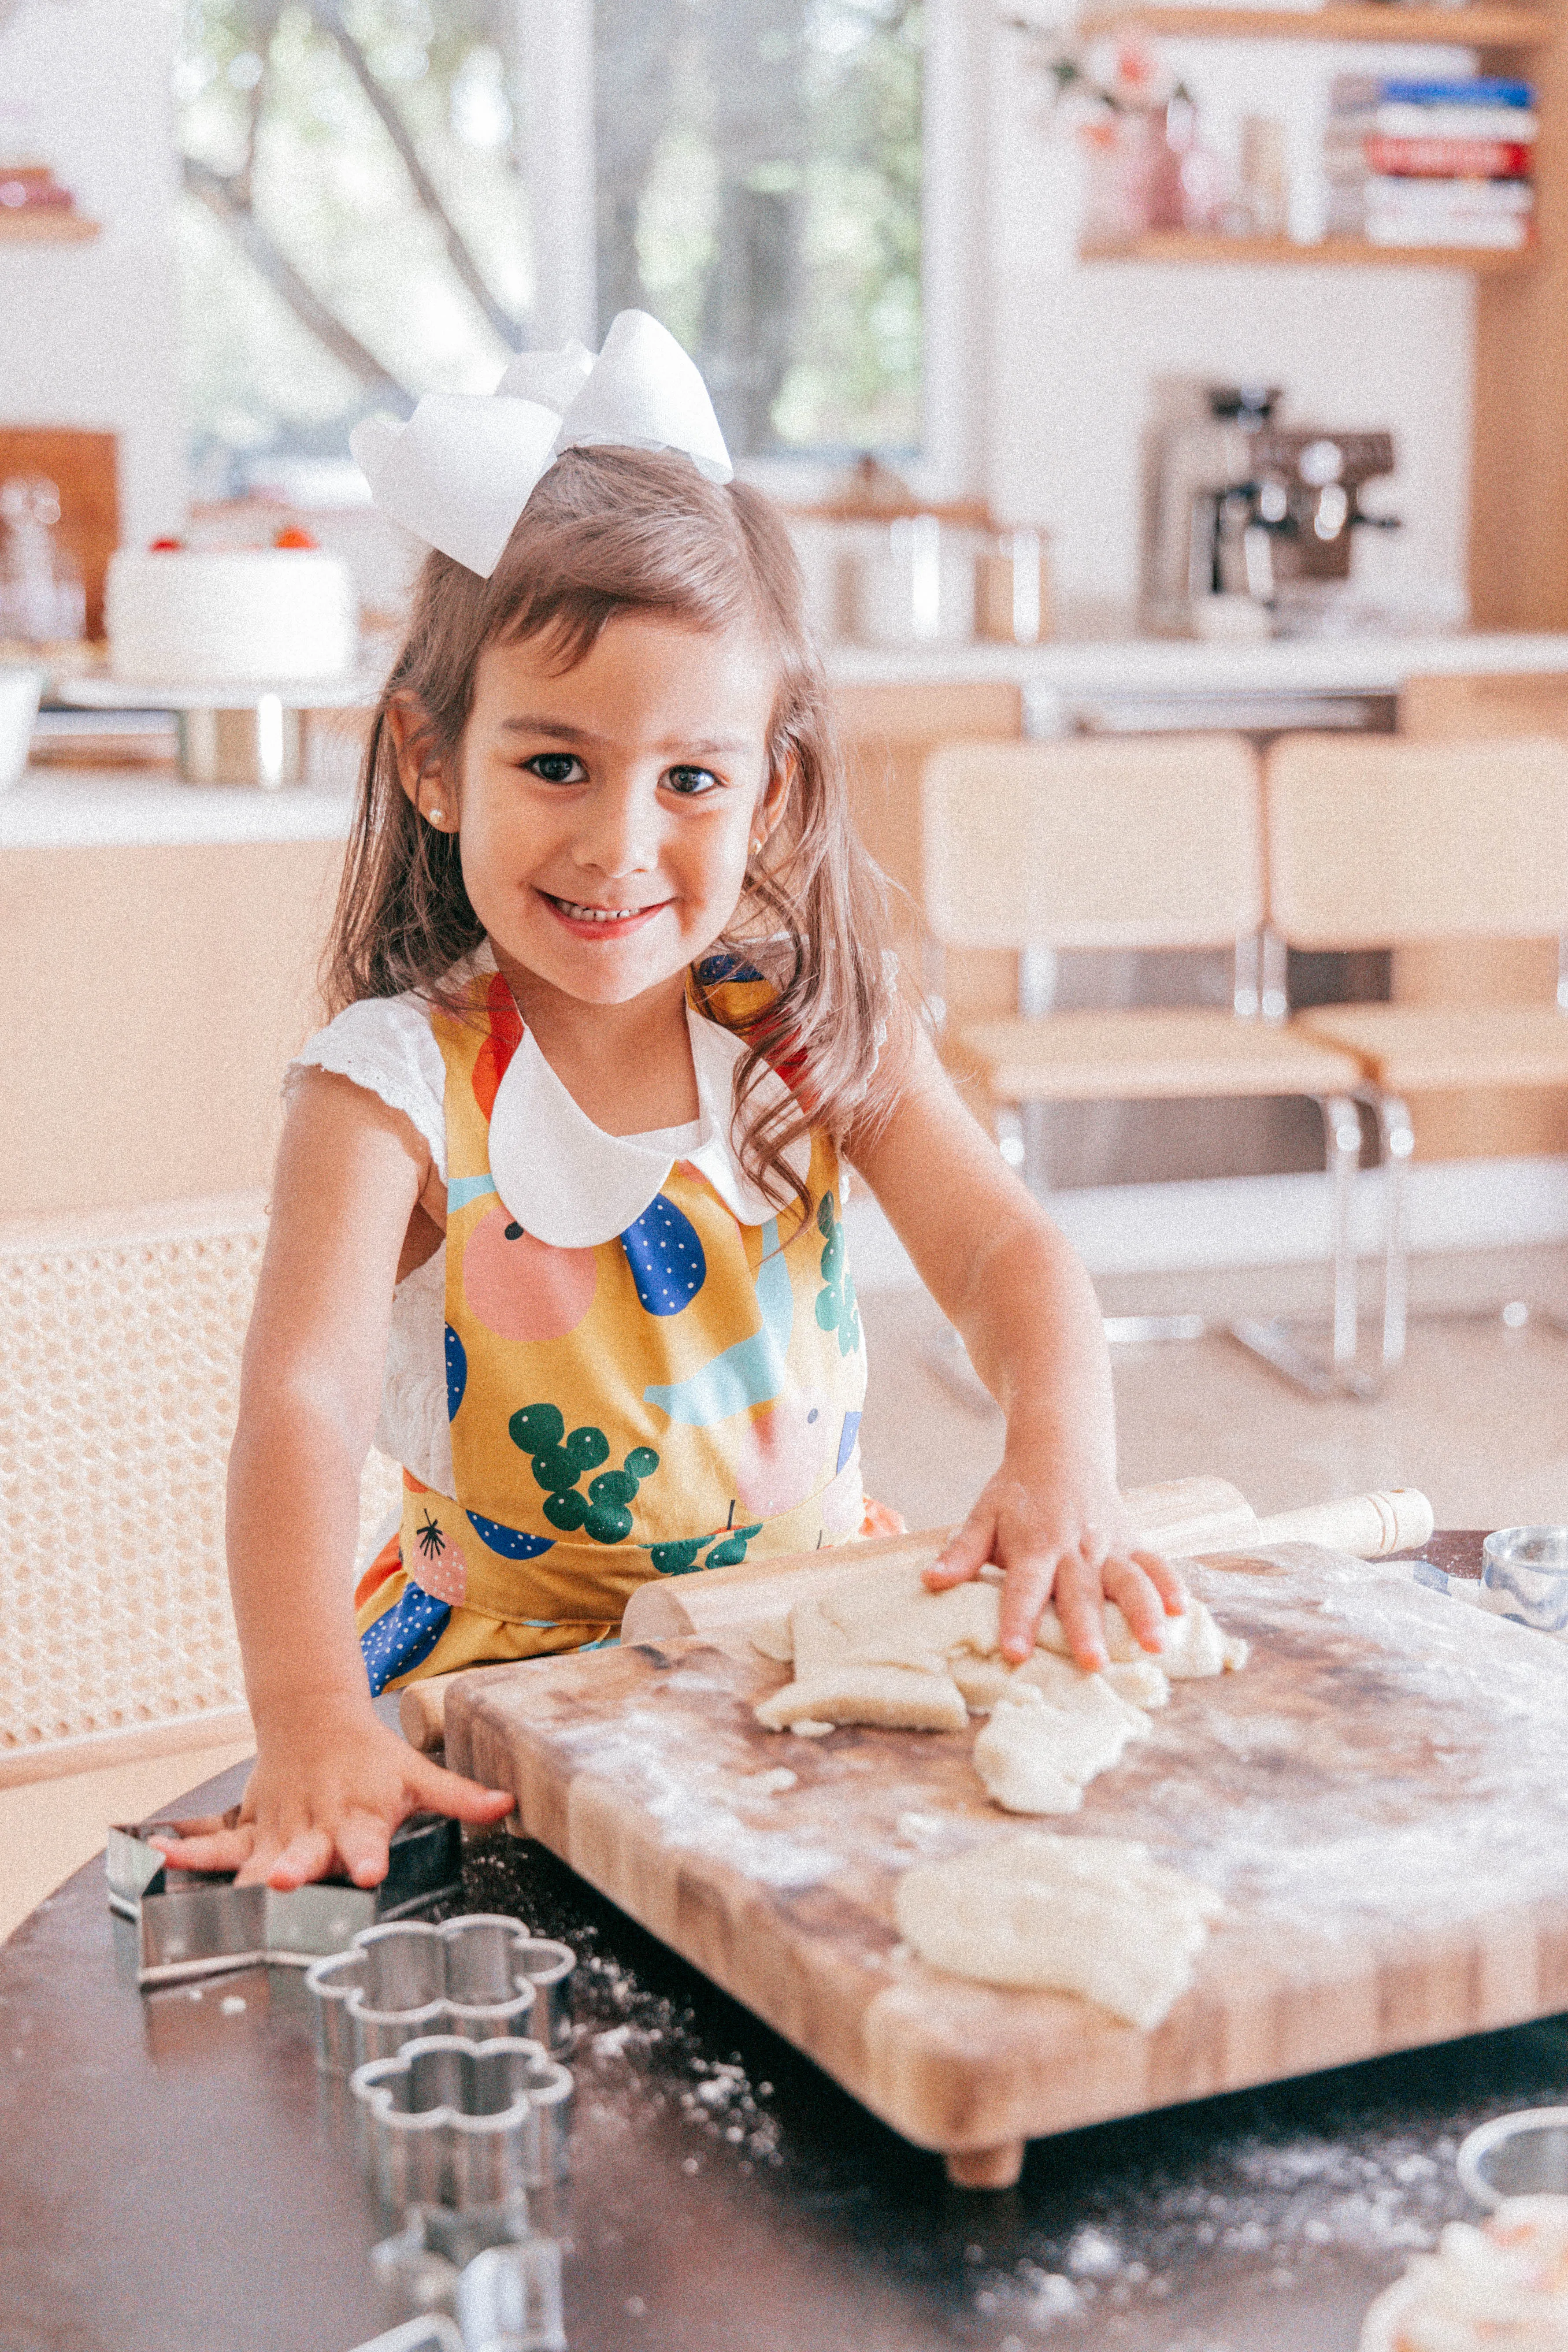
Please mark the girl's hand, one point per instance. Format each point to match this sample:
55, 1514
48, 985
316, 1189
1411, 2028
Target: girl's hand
326, 1801
1067, 1540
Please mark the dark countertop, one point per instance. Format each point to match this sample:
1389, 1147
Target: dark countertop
174, 2177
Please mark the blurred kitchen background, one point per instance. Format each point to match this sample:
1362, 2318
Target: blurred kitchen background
1166, 367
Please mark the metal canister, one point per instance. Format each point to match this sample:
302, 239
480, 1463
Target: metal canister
1013, 590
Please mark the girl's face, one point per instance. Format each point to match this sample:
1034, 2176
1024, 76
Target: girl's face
607, 812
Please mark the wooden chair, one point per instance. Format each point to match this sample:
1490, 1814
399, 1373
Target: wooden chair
1467, 707
118, 1385
1374, 841
887, 733
1492, 1124
1044, 847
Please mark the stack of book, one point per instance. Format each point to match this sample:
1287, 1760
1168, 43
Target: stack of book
31, 189
1431, 163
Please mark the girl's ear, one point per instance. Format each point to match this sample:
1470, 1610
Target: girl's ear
421, 772
775, 800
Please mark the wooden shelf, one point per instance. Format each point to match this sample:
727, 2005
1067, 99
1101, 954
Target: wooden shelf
47, 228
1267, 252
1476, 28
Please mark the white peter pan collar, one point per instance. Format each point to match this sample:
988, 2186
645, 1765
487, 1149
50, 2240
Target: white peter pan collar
572, 1186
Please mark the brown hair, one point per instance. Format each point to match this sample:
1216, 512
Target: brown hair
607, 532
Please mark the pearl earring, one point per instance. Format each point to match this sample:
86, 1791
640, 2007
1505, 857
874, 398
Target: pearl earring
436, 814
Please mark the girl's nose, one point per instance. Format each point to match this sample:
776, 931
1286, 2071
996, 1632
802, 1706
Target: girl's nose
619, 831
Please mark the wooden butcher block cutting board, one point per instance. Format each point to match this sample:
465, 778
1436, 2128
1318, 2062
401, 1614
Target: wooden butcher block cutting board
1380, 1798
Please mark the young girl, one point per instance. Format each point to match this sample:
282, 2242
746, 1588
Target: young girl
561, 1188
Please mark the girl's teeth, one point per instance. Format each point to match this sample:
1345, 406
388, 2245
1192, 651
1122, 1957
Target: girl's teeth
598, 914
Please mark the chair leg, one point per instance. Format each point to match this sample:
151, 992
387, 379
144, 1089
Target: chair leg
1342, 1140
1271, 1341
1398, 1141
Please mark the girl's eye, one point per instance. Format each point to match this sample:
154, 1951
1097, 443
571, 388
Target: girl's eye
557, 768
691, 782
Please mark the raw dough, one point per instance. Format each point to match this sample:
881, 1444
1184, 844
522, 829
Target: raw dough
895, 1699
876, 1648
775, 1637
1145, 1683
1038, 1753
897, 1621
1089, 1916
982, 1681
1193, 1644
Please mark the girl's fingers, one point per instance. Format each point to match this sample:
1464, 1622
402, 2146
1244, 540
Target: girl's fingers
1024, 1596
215, 1849
1167, 1583
1140, 1600
308, 1855
434, 1790
363, 1841
965, 1555
1078, 1598
203, 1825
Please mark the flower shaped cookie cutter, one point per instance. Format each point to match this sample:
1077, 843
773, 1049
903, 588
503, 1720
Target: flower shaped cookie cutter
474, 2283
456, 2123
482, 1977
507, 2299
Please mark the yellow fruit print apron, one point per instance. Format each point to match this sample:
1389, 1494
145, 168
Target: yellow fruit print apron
682, 1396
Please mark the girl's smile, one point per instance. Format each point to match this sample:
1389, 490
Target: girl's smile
601, 922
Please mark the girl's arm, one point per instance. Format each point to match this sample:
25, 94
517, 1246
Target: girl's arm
1052, 1517
331, 1782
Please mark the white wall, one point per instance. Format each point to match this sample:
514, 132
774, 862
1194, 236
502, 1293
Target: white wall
1075, 348
90, 333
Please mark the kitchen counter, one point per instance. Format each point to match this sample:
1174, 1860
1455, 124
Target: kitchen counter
66, 808
174, 2175
1363, 664
130, 808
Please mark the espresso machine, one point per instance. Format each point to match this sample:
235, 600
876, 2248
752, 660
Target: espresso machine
1249, 524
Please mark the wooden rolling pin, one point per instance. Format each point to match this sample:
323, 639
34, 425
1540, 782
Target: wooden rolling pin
1181, 1519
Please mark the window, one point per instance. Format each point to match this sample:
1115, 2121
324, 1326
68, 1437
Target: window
366, 185
759, 190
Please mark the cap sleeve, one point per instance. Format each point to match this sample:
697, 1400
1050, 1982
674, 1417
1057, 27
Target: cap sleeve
386, 1043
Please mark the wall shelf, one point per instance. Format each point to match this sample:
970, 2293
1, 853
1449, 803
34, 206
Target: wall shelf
1333, 252
47, 228
1479, 26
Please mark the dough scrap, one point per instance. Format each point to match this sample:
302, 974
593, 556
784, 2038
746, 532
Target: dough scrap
1145, 1684
894, 1698
982, 1682
1089, 1916
1038, 1753
775, 1637
876, 1648
1193, 1645
892, 1620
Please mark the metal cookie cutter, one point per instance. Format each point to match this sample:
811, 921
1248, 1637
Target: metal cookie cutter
548, 1967
481, 1975
500, 2286
449, 2121
396, 1983
507, 2299
196, 1925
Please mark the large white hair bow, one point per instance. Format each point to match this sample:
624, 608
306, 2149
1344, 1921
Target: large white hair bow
459, 473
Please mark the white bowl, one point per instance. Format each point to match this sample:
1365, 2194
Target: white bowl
1521, 2155
21, 683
